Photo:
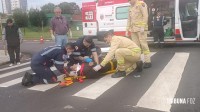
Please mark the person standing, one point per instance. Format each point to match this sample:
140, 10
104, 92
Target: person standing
125, 51
137, 25
152, 12
158, 30
59, 27
12, 36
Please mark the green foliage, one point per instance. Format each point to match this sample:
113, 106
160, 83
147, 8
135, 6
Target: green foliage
37, 18
69, 8
36, 32
48, 8
20, 17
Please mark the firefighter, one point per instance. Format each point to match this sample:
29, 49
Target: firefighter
42, 61
85, 48
126, 52
137, 25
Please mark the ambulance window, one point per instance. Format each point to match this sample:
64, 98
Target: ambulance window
191, 9
122, 12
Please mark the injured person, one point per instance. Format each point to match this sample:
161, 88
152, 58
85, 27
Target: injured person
85, 71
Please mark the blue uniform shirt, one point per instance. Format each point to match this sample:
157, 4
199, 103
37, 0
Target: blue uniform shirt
53, 55
81, 50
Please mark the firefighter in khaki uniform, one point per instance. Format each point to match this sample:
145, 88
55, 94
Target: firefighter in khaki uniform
126, 52
137, 25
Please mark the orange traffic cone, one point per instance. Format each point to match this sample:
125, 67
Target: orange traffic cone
41, 40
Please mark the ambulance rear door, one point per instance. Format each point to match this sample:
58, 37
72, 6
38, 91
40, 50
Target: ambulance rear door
105, 15
121, 9
187, 25
89, 19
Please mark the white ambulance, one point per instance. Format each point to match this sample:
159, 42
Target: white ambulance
183, 16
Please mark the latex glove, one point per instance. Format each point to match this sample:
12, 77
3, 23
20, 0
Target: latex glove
141, 29
52, 36
88, 60
97, 68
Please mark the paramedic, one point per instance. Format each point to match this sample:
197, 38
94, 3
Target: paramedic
42, 61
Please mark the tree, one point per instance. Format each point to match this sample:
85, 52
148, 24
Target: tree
76, 9
37, 18
20, 18
69, 8
48, 8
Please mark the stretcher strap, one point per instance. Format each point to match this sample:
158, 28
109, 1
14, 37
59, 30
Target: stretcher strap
112, 66
81, 70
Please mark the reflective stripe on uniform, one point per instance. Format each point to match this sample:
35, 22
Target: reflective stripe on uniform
59, 62
103, 63
76, 53
136, 50
48, 51
121, 61
141, 23
94, 49
146, 52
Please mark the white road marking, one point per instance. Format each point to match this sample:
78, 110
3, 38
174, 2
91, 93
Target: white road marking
15, 66
18, 80
15, 72
107, 80
166, 85
45, 87
94, 90
12, 82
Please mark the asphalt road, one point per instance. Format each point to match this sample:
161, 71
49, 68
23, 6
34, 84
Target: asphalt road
172, 84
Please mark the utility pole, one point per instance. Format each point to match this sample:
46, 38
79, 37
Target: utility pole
2, 6
1, 15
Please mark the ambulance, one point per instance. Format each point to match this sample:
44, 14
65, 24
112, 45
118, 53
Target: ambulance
183, 18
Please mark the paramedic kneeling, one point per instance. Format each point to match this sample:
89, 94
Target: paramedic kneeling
126, 52
42, 61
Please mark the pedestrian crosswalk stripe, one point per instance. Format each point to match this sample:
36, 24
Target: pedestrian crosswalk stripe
16, 81
96, 89
99, 87
14, 72
45, 87
7, 68
165, 86
11, 83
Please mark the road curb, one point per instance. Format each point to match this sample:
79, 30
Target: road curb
23, 57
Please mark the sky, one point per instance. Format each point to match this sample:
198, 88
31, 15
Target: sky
39, 3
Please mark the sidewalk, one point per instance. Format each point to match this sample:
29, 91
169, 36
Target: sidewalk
3, 58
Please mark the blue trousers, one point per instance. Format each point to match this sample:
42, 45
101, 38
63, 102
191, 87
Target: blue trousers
43, 74
61, 40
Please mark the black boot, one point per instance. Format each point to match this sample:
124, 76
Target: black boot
139, 67
119, 74
147, 65
27, 79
